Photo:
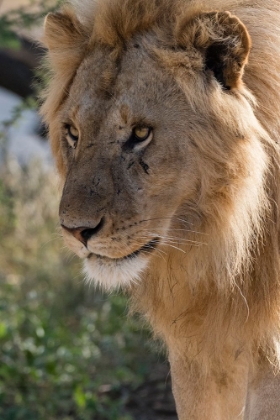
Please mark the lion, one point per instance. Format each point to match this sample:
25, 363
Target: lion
164, 123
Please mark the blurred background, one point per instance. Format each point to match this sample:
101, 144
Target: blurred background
67, 351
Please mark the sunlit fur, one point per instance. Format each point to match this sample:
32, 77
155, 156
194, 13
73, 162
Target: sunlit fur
212, 291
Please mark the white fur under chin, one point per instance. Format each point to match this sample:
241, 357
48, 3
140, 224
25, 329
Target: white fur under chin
114, 274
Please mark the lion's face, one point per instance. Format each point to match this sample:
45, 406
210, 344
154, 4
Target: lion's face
122, 145
143, 134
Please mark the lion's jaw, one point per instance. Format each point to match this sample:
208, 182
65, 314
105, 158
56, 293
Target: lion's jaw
110, 267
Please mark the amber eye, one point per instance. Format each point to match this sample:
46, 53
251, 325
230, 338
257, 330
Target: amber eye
141, 133
140, 138
72, 135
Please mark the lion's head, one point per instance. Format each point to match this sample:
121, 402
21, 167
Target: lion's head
154, 135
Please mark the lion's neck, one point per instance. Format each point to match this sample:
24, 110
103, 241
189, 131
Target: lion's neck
199, 319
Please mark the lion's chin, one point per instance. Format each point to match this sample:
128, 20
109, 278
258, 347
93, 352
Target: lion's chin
114, 273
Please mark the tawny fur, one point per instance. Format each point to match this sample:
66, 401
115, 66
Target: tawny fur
217, 297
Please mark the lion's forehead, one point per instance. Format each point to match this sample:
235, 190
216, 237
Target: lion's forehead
132, 87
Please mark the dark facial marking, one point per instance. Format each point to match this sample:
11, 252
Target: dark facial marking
144, 166
130, 165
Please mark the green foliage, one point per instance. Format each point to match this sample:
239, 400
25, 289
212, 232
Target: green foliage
66, 351
8, 38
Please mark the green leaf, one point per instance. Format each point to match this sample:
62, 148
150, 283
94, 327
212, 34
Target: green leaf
3, 330
80, 397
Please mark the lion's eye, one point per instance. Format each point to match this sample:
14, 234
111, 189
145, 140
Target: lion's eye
140, 137
72, 135
141, 133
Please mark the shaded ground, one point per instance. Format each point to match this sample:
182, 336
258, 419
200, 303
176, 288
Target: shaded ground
152, 400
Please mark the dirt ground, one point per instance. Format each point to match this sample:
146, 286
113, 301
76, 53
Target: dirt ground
152, 400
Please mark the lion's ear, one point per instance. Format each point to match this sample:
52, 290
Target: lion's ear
224, 42
65, 38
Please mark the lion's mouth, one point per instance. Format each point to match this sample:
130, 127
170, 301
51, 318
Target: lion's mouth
148, 248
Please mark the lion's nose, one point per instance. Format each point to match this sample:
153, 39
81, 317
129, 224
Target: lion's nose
83, 234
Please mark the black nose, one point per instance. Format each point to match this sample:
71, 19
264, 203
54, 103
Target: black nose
83, 234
